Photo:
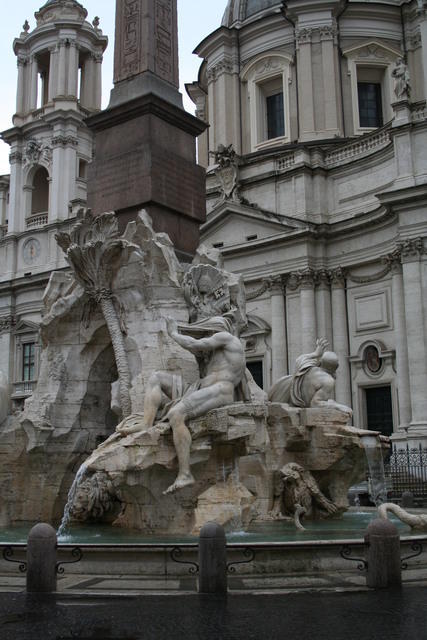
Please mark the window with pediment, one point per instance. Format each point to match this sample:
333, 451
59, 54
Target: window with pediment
369, 68
268, 78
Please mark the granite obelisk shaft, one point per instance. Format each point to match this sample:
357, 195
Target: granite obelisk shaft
145, 151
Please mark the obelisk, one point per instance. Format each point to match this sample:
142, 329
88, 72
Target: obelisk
145, 143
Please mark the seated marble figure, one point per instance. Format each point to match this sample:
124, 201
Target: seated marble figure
222, 364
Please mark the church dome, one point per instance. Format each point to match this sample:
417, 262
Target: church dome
241, 10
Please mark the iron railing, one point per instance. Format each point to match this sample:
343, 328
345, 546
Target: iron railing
406, 470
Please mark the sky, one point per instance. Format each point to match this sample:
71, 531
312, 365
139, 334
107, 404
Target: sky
197, 18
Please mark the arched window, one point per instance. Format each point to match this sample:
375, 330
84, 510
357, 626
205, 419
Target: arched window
40, 198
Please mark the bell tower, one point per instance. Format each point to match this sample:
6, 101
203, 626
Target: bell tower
59, 85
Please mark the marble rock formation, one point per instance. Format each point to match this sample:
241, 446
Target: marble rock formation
120, 317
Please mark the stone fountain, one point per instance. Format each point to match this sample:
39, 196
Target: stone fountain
143, 381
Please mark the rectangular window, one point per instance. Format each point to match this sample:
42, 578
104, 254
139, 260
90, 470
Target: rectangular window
370, 104
256, 369
28, 361
275, 116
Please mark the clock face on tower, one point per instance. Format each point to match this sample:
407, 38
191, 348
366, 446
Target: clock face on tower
31, 250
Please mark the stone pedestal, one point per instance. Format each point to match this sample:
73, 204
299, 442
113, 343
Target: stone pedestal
145, 157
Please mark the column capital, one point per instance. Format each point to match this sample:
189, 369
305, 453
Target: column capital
411, 250
7, 323
226, 65
15, 157
338, 276
304, 279
328, 32
303, 35
276, 286
307, 278
393, 261
22, 60
323, 278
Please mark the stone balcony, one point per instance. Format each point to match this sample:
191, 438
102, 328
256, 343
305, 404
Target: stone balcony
37, 220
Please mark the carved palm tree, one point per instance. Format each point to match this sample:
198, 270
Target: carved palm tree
93, 249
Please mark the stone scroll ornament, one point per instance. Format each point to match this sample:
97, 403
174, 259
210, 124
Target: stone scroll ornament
93, 250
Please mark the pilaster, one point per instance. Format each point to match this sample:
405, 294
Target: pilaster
32, 103
340, 335
411, 252
308, 310
305, 83
279, 355
401, 345
20, 92
62, 68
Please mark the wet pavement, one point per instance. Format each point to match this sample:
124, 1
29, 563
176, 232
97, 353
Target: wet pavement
367, 615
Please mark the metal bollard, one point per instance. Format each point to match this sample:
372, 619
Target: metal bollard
41, 559
382, 542
212, 559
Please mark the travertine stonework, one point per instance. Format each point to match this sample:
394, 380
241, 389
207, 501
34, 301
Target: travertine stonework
236, 451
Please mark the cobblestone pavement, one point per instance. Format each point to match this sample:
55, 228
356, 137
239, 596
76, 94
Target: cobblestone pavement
388, 615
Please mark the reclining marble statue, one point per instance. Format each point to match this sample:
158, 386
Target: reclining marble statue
312, 385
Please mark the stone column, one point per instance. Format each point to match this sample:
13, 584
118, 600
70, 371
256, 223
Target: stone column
87, 90
211, 107
340, 337
308, 311
53, 68
323, 306
62, 66
20, 92
279, 355
97, 80
73, 69
33, 83
305, 83
329, 66
293, 318
16, 208
401, 345
417, 356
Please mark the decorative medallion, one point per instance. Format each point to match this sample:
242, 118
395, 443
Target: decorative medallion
31, 250
373, 362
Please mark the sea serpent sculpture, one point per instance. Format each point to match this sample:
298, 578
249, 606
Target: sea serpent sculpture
414, 521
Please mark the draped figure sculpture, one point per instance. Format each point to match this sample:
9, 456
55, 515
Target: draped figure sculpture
313, 383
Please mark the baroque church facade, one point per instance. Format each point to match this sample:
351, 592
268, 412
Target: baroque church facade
316, 159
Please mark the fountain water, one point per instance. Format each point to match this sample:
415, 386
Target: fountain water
377, 484
70, 500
